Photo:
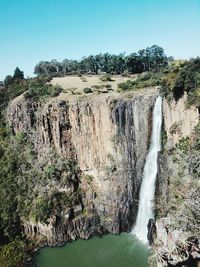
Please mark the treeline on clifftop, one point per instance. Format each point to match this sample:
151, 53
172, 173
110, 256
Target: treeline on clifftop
175, 79
154, 68
151, 58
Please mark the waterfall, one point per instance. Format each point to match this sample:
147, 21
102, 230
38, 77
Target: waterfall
147, 191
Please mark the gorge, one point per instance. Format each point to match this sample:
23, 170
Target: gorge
82, 163
99, 133
123, 250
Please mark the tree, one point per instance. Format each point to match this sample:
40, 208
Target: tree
151, 58
117, 64
18, 74
40, 68
134, 63
91, 64
105, 60
142, 56
158, 59
8, 80
187, 79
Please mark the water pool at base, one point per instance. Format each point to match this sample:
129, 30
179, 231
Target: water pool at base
108, 251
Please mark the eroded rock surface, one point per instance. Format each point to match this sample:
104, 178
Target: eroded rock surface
177, 199
107, 136
179, 121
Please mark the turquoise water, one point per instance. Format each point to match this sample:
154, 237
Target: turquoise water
109, 251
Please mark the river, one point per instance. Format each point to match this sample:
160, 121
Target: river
123, 250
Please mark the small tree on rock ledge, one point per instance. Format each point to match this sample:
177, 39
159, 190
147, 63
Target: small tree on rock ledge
18, 74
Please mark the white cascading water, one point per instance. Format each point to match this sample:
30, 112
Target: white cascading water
147, 191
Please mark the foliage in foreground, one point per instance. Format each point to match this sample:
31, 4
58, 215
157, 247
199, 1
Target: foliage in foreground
12, 254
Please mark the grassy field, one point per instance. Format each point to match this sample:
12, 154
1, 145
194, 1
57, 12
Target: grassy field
76, 84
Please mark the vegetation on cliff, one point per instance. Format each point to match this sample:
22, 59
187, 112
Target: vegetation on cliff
24, 191
175, 79
12, 243
25, 194
22, 180
13, 254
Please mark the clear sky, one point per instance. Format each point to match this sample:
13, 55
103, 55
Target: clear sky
35, 30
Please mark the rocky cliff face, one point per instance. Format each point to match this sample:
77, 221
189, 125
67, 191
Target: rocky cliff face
176, 200
107, 137
179, 121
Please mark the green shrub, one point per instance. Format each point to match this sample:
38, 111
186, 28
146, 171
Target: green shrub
197, 134
89, 178
163, 137
112, 167
106, 78
56, 90
193, 98
45, 206
108, 87
125, 86
87, 90
21, 138
12, 254
147, 80
184, 144
38, 89
145, 77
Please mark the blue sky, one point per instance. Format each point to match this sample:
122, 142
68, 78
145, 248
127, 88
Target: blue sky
34, 30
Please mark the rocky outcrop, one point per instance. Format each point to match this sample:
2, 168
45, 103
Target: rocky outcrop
173, 246
151, 231
176, 180
56, 232
107, 136
179, 121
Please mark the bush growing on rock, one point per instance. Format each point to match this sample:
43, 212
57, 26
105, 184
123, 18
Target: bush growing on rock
184, 144
89, 178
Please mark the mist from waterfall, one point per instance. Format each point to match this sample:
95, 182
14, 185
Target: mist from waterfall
147, 191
